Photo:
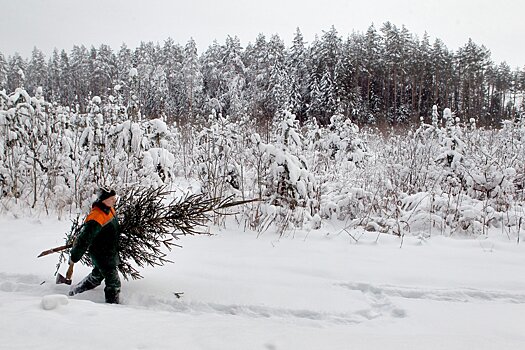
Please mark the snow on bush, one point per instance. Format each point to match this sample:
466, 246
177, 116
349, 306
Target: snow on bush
445, 177
284, 180
157, 166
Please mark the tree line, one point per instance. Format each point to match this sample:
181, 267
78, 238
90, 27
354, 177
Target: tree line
382, 77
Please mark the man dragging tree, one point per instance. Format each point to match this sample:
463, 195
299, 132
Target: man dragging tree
100, 235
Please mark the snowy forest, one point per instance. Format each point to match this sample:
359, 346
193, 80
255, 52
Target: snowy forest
382, 130
378, 77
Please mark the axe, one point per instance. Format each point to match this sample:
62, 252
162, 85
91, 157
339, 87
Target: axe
67, 280
61, 279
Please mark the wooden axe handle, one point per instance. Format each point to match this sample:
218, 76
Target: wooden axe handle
69, 272
54, 250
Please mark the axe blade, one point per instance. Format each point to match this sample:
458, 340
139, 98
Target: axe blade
62, 280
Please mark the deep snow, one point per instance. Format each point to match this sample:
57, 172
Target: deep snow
316, 290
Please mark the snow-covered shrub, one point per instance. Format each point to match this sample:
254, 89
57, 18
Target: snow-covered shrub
451, 144
451, 179
157, 167
344, 202
439, 179
341, 141
285, 183
55, 157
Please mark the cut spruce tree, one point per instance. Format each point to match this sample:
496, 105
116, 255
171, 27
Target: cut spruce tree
150, 220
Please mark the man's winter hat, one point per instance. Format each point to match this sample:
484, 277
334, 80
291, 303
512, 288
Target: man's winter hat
104, 193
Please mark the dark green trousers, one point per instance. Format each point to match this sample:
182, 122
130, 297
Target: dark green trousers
95, 278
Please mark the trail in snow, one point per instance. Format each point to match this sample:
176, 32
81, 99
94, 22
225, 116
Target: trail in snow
379, 297
31, 285
314, 291
382, 292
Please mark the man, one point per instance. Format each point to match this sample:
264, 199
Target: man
100, 235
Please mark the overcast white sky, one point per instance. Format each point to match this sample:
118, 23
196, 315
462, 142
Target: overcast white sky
46, 24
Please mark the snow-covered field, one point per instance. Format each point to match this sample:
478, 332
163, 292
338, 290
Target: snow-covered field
317, 290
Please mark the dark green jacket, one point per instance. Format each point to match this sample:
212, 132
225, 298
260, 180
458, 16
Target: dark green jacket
99, 235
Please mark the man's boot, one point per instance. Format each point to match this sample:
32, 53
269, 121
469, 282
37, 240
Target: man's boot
112, 296
86, 284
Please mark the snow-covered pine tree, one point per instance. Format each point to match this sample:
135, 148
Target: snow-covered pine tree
16, 67
192, 80
298, 71
173, 57
257, 82
80, 75
3, 72
212, 76
123, 62
233, 78
278, 76
36, 71
372, 72
152, 80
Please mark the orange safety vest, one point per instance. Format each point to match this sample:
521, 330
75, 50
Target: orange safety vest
100, 216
